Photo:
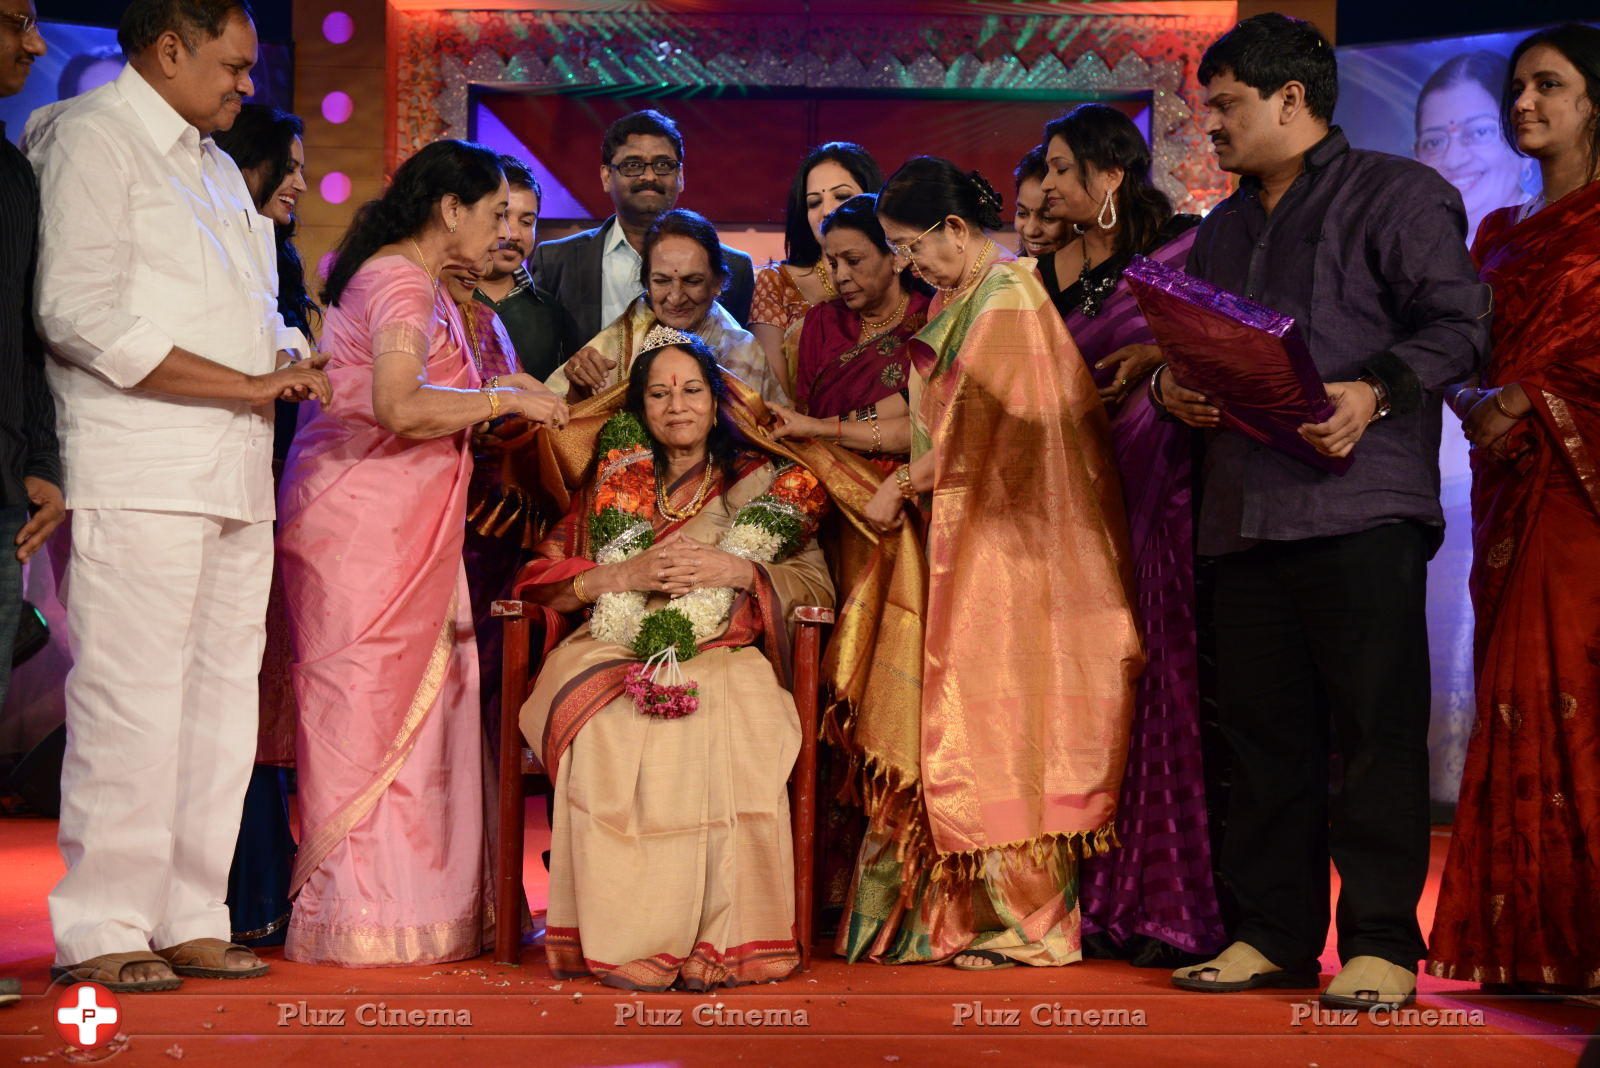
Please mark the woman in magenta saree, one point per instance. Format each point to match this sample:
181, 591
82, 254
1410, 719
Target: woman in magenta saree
393, 865
1517, 906
1158, 884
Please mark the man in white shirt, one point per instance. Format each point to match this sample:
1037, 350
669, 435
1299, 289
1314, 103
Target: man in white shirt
157, 296
594, 275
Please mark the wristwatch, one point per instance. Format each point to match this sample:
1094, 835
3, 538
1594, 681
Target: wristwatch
1381, 392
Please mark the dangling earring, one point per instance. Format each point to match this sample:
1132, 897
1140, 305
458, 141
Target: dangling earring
1100, 220
452, 227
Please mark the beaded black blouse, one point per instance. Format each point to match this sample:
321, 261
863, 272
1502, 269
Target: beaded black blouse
1089, 292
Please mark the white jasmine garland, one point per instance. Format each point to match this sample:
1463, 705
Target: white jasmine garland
617, 617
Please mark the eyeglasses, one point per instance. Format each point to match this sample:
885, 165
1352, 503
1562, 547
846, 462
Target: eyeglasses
1435, 141
632, 168
905, 249
24, 23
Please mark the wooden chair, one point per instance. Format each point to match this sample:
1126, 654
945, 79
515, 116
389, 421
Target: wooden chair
516, 761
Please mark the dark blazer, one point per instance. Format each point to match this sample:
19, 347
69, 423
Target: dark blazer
569, 268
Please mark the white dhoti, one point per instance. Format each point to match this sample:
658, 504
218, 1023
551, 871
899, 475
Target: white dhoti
167, 618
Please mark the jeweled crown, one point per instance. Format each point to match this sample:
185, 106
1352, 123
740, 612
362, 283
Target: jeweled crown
661, 335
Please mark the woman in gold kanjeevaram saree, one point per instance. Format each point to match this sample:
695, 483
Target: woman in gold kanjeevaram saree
985, 671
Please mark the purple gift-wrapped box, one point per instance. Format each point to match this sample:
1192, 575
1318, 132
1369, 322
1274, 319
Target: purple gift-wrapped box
1251, 362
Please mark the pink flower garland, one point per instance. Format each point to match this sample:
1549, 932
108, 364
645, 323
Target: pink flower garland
656, 699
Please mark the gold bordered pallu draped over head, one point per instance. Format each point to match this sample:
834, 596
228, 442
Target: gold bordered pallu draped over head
1031, 650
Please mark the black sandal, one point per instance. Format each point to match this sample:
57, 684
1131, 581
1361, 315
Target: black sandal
996, 961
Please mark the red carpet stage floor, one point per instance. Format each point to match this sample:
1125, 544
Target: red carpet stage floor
477, 1011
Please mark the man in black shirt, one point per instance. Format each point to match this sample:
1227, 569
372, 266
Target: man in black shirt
531, 316
1318, 605
30, 464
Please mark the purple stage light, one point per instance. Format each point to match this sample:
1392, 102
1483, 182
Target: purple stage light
338, 27
335, 187
337, 107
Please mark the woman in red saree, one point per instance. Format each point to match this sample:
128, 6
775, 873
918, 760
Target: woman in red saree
1523, 876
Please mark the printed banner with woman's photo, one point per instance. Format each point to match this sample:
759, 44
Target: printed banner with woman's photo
1439, 102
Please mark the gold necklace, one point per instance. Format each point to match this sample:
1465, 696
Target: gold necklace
472, 341
821, 271
895, 317
972, 275
424, 260
664, 504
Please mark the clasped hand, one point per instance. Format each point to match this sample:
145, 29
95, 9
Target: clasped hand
1353, 406
788, 423
677, 565
295, 380
1485, 425
1132, 363
532, 399
886, 510
588, 371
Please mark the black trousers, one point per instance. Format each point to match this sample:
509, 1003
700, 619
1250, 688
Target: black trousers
1322, 646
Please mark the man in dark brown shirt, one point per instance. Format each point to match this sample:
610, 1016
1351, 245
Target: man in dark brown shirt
1321, 640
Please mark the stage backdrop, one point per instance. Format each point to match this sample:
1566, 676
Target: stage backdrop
741, 149
1438, 102
989, 67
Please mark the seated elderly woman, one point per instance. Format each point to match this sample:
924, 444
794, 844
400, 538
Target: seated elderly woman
663, 719
682, 270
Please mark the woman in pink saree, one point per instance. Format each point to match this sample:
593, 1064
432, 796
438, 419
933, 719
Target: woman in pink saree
393, 866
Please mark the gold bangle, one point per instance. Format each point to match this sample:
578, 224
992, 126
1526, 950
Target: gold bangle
494, 401
902, 477
1507, 412
877, 435
580, 588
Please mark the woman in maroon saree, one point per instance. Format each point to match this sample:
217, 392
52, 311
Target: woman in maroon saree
854, 362
1517, 905
1152, 899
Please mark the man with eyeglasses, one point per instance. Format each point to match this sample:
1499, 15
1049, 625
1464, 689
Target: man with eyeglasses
595, 274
